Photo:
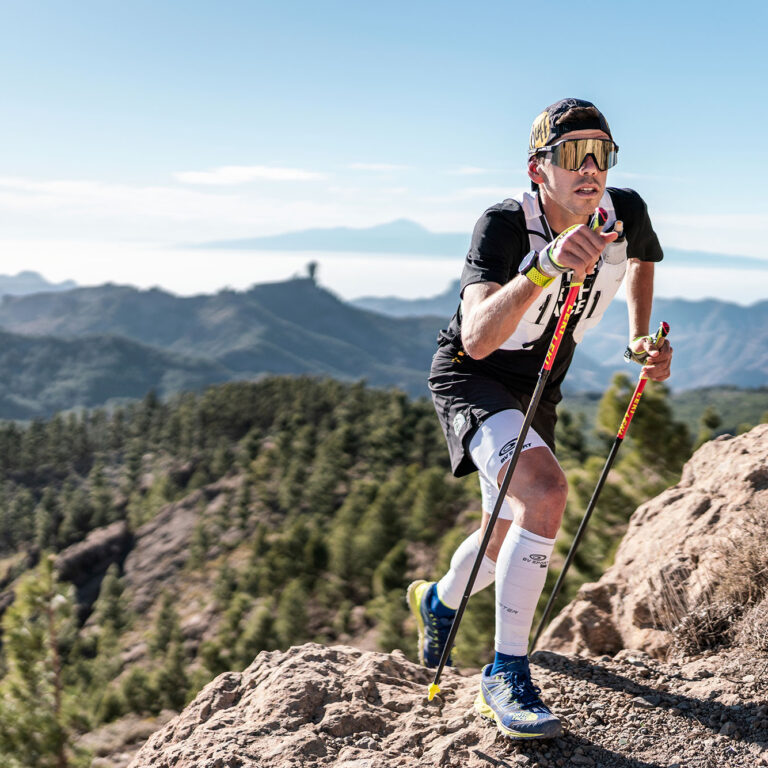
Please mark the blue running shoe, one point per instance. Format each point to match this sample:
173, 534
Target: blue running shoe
433, 629
511, 700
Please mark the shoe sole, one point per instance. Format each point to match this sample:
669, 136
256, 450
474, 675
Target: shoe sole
485, 711
415, 608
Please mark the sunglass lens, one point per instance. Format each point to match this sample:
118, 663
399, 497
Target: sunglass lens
572, 154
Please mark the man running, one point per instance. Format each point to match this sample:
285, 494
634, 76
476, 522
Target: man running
513, 286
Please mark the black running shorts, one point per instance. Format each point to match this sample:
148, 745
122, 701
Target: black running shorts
464, 398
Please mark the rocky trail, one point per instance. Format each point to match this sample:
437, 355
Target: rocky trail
312, 706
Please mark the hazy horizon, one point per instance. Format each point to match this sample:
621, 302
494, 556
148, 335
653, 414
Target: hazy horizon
352, 276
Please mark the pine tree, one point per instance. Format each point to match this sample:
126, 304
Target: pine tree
110, 607
437, 498
18, 521
102, 501
77, 515
36, 713
171, 680
710, 420
379, 530
390, 574
226, 584
47, 520
258, 635
138, 690
223, 459
291, 621
167, 627
571, 443
327, 475
345, 523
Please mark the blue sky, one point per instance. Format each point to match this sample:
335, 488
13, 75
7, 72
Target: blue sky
129, 128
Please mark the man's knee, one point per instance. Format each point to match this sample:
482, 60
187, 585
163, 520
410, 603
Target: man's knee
552, 488
539, 481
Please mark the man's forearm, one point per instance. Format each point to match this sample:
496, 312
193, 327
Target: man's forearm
487, 323
639, 296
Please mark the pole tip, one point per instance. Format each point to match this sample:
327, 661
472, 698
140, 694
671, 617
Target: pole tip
434, 689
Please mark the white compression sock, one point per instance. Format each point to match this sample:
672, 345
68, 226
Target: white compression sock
450, 589
522, 570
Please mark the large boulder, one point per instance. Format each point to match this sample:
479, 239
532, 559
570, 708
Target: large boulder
313, 706
673, 554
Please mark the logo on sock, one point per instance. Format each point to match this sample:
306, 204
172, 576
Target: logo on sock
540, 560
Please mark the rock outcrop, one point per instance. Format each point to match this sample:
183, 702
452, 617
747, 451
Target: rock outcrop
162, 545
85, 563
677, 549
316, 707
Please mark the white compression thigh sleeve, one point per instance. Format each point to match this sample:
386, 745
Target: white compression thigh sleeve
450, 589
521, 572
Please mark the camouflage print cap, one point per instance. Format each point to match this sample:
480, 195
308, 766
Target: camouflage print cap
549, 126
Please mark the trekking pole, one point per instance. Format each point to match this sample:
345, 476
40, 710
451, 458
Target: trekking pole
598, 219
631, 408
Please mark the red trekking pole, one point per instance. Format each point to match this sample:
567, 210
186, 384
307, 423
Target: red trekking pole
631, 408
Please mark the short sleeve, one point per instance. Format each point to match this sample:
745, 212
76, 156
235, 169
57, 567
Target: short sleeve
642, 242
497, 247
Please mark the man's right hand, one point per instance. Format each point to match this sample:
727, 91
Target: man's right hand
579, 249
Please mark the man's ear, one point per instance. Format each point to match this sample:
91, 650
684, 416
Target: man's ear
533, 171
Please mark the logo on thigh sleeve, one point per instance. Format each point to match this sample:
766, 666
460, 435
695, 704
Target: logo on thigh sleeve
506, 450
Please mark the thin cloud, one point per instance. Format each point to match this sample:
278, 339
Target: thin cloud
99, 209
470, 170
379, 167
230, 175
645, 176
491, 194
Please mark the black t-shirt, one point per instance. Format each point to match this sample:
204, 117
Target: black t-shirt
499, 244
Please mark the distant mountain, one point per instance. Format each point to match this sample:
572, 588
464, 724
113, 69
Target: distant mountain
292, 327
42, 375
401, 236
716, 342
86, 346
442, 305
30, 282
407, 237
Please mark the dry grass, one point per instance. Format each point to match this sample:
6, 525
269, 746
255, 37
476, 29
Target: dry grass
753, 628
733, 607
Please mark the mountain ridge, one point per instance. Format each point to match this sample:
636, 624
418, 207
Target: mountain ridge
297, 327
27, 281
289, 327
